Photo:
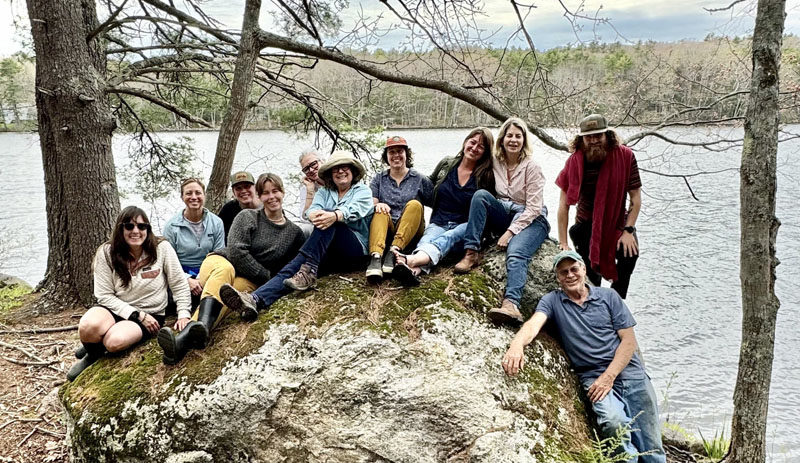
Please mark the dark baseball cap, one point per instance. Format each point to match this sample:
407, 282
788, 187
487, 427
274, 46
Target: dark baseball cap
242, 176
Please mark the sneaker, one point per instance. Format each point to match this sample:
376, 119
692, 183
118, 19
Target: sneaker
388, 263
305, 278
506, 314
242, 303
374, 272
471, 260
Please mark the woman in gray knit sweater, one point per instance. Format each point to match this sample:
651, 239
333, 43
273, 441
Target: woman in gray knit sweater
260, 243
131, 274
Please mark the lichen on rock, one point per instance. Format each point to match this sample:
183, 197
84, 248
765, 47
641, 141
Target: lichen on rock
346, 373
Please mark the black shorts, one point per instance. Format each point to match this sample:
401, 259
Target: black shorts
145, 334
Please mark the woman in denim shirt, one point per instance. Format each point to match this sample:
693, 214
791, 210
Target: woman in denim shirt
399, 193
455, 180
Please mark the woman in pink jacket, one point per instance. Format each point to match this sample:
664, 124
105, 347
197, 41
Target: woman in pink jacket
517, 214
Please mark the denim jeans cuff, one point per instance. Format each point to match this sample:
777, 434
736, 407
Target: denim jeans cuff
512, 298
432, 252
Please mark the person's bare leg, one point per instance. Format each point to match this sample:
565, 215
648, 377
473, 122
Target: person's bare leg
94, 324
122, 335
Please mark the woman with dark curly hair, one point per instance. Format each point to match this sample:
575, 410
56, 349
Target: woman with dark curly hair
341, 212
132, 272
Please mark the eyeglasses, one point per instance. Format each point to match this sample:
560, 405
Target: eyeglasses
312, 165
340, 168
141, 226
564, 272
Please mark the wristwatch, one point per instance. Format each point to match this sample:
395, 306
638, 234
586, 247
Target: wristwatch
630, 230
134, 317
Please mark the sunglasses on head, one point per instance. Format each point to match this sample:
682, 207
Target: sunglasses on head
141, 226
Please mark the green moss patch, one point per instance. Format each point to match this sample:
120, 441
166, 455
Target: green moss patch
12, 297
477, 291
111, 381
386, 309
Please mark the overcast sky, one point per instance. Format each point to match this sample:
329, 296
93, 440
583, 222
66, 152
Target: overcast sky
634, 20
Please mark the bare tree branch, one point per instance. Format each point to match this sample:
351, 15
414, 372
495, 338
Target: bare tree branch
269, 39
160, 102
107, 23
714, 10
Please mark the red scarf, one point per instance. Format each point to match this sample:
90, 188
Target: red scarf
608, 217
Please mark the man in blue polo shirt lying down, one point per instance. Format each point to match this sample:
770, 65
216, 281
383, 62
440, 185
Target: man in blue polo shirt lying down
597, 334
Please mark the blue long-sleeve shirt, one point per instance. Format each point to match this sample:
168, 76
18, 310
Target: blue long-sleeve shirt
356, 206
192, 250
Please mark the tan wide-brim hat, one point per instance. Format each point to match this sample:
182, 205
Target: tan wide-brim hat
592, 124
340, 158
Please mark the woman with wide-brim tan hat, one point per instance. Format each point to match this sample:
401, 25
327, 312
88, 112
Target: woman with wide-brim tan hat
341, 214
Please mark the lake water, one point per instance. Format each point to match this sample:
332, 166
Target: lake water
684, 292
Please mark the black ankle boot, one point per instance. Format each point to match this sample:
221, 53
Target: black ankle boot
93, 351
207, 313
175, 345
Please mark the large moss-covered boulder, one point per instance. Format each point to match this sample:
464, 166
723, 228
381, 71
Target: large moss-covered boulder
345, 373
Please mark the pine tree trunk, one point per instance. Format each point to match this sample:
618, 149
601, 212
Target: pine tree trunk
75, 127
759, 228
232, 123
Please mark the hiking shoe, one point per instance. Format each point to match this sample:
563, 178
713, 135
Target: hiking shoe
242, 303
374, 272
471, 260
305, 278
388, 263
506, 314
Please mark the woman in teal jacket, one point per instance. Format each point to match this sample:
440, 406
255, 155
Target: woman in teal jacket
341, 213
194, 232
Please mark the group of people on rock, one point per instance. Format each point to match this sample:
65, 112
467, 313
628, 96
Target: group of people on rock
250, 254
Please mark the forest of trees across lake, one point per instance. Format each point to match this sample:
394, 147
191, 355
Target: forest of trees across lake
640, 84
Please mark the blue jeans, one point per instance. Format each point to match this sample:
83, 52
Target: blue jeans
331, 249
438, 240
629, 398
486, 210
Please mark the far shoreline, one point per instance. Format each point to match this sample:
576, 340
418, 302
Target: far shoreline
385, 129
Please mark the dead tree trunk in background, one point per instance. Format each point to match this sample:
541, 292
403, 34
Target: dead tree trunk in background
75, 126
232, 124
759, 228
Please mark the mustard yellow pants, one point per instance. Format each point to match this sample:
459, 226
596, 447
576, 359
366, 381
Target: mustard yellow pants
215, 272
410, 225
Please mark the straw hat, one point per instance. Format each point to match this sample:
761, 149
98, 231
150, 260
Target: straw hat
340, 158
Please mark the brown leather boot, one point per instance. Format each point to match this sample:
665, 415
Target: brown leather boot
471, 260
507, 314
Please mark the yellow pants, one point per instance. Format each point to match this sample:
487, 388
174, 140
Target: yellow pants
410, 225
215, 272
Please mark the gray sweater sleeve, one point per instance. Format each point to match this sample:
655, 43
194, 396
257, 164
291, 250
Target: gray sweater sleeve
240, 240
